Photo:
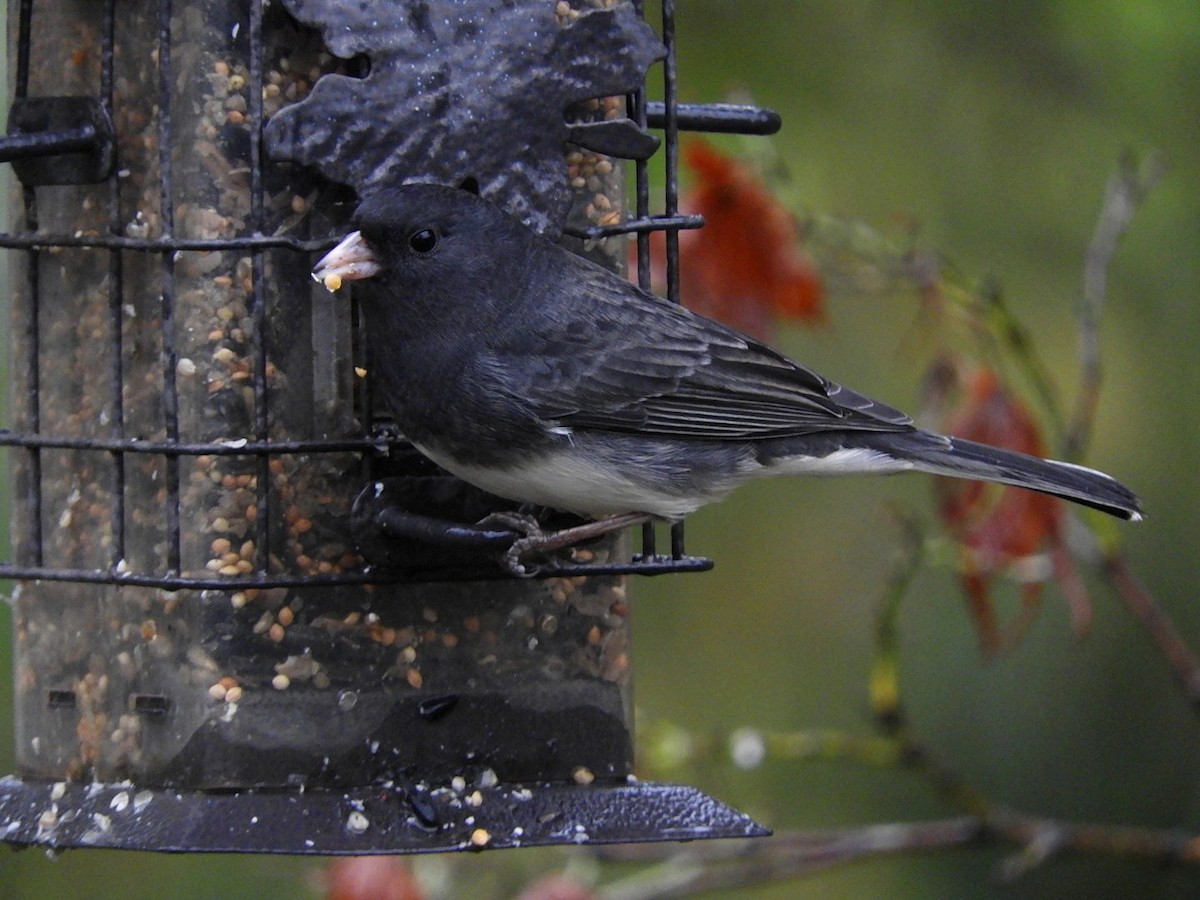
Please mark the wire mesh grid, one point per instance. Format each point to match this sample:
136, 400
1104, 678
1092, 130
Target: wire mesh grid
257, 446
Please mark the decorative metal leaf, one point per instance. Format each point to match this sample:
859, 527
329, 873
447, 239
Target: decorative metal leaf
465, 89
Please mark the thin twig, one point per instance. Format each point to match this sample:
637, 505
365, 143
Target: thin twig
885, 658
791, 855
786, 856
1017, 344
794, 854
1127, 189
1042, 838
1137, 597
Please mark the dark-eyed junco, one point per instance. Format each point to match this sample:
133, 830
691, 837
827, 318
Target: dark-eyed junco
544, 378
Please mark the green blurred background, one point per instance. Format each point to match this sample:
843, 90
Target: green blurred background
995, 127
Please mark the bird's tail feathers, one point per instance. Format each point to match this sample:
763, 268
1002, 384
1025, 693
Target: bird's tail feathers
960, 458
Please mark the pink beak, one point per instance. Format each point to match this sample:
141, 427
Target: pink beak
351, 260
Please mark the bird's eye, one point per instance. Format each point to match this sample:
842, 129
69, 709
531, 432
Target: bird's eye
423, 241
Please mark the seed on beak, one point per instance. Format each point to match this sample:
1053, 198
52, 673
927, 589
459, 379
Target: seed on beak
351, 260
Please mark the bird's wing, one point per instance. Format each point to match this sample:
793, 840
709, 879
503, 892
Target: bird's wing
618, 359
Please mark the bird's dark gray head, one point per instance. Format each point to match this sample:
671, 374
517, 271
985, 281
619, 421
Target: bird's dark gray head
418, 235
436, 264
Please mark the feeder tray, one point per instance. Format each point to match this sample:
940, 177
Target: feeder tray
363, 820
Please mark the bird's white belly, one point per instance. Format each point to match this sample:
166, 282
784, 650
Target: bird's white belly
571, 482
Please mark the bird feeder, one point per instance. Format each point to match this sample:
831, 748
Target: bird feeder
247, 615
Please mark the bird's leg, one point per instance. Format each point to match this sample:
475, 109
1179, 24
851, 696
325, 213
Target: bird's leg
565, 537
538, 541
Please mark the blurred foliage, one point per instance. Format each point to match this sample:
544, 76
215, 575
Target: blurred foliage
985, 132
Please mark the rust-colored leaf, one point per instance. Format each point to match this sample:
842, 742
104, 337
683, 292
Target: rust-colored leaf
746, 267
1005, 531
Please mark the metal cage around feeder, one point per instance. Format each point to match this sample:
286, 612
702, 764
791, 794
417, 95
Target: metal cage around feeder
203, 659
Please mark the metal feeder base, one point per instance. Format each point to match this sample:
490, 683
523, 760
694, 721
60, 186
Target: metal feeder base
362, 820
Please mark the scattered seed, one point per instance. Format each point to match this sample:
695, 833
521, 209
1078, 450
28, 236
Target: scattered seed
582, 775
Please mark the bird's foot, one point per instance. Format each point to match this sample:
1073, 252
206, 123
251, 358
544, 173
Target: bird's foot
536, 540
522, 523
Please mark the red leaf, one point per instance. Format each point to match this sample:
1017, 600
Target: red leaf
746, 266
1003, 530
371, 878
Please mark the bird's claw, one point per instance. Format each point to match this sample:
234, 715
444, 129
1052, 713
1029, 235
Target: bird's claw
533, 538
536, 540
522, 547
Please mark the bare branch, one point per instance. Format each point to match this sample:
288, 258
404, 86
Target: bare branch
1137, 597
783, 857
1042, 839
794, 854
1127, 189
